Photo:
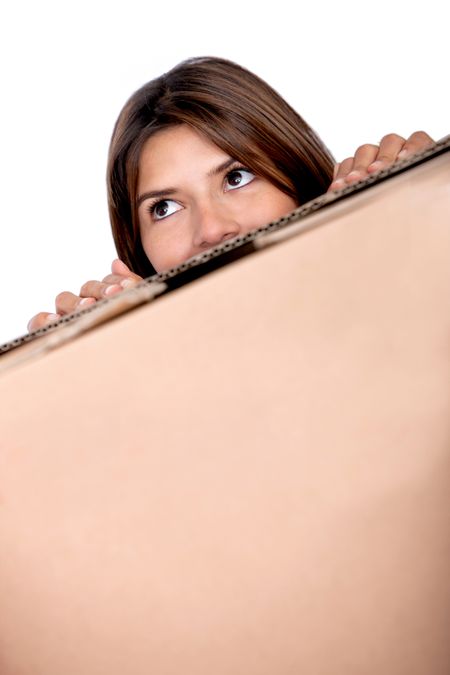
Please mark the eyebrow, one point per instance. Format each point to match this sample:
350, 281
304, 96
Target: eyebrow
171, 190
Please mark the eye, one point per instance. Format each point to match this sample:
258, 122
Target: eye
237, 178
163, 209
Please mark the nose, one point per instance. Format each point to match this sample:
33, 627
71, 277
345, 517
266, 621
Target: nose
213, 225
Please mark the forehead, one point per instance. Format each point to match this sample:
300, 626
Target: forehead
178, 148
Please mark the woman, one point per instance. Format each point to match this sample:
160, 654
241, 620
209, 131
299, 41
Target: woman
204, 153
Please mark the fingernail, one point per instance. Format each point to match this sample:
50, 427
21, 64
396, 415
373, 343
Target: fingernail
110, 290
128, 283
354, 176
85, 301
337, 184
402, 154
375, 166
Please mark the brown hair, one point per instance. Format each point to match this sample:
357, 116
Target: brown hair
233, 108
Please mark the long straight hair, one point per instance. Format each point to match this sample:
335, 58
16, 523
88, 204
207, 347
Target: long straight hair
233, 108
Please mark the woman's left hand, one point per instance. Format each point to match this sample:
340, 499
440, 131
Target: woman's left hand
370, 158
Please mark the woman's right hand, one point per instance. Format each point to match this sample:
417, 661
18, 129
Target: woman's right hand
121, 277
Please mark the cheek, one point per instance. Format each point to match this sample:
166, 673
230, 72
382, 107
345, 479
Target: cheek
163, 248
283, 204
269, 205
154, 248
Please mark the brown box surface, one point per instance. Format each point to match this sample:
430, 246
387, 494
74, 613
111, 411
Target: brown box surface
250, 475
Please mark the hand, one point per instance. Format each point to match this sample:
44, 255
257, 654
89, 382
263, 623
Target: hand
121, 277
369, 158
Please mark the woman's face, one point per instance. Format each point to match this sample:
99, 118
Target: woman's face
193, 196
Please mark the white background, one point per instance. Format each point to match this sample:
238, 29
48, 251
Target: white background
354, 70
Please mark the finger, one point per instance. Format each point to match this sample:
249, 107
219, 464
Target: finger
66, 302
119, 267
343, 169
418, 141
390, 147
99, 290
354, 168
113, 279
364, 156
41, 319
124, 282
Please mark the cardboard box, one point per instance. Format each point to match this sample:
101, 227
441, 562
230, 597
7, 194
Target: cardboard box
251, 474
